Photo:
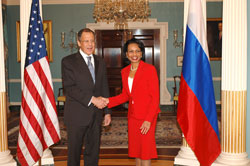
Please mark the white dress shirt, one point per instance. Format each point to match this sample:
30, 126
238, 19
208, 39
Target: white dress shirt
130, 83
86, 59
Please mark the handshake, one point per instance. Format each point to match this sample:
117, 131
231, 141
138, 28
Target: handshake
100, 102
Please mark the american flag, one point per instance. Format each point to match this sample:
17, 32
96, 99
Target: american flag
39, 127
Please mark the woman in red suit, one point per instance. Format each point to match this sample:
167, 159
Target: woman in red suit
141, 88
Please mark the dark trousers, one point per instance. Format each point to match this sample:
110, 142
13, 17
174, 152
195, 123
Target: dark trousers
91, 136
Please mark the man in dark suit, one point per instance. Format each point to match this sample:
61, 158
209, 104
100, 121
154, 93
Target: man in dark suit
84, 80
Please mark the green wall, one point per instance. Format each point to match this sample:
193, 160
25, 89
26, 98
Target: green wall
67, 17
14, 71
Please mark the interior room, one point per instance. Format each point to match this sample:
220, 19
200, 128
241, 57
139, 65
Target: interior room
163, 36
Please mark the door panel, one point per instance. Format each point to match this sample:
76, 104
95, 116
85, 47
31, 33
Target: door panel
112, 57
149, 55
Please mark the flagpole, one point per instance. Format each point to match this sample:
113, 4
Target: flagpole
189, 94
24, 23
40, 162
185, 155
47, 156
47, 133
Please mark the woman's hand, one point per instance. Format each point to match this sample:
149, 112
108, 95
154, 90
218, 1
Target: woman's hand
106, 100
145, 127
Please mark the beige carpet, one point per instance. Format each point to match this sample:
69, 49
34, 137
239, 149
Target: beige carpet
168, 133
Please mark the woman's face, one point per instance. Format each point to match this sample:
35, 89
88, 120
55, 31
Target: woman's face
134, 53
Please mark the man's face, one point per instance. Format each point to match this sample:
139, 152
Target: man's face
87, 43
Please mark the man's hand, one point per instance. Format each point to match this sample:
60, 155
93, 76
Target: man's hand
107, 120
99, 102
145, 127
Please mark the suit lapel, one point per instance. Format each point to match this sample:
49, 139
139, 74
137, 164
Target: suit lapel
82, 66
138, 75
126, 75
96, 66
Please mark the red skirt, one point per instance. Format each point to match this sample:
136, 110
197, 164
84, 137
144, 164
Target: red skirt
141, 146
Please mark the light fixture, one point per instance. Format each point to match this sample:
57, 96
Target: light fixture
72, 40
125, 34
176, 43
120, 11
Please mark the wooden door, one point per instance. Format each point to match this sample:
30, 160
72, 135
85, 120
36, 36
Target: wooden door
110, 45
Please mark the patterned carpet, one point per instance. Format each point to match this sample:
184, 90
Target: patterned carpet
168, 133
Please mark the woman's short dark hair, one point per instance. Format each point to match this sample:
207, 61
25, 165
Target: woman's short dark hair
135, 41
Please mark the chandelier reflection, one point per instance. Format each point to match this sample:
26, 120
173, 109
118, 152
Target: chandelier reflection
120, 11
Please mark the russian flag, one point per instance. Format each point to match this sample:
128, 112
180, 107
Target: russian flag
196, 113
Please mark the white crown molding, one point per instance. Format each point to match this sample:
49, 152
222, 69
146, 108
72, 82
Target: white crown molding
54, 2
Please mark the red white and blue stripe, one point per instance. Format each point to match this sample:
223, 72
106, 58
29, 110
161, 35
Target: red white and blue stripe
39, 127
196, 113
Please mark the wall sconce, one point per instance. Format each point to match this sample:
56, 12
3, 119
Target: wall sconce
72, 40
176, 43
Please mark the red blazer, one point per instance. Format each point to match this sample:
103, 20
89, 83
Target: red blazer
144, 97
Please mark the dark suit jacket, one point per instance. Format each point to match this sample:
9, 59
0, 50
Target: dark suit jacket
144, 98
79, 88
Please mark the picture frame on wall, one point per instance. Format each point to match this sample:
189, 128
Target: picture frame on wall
214, 38
47, 29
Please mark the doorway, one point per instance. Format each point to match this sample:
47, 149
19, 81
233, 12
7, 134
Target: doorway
165, 97
110, 45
